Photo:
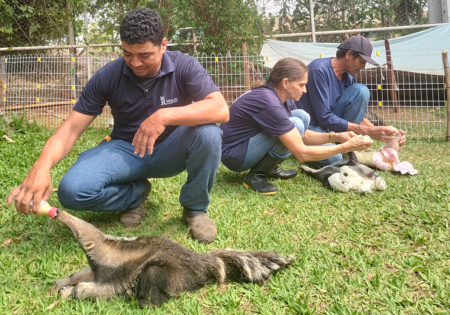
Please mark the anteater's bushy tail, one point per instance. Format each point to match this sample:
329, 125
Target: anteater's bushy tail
253, 266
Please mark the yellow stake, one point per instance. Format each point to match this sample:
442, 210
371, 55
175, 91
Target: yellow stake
217, 59
112, 59
73, 59
320, 56
6, 60
39, 59
380, 104
37, 86
73, 87
379, 86
378, 53
37, 99
73, 101
267, 58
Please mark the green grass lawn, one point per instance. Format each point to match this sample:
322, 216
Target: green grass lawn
383, 253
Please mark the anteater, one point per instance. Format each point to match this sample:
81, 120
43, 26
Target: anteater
154, 268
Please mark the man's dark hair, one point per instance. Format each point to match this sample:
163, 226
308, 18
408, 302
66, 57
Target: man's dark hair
342, 52
140, 26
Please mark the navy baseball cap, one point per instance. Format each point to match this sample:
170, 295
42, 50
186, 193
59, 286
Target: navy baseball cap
362, 46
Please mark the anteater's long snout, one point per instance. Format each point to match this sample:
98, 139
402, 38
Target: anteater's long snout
77, 226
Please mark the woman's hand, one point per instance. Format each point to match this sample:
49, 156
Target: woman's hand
357, 143
342, 137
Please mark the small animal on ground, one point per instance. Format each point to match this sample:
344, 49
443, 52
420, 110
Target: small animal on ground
153, 268
347, 174
387, 158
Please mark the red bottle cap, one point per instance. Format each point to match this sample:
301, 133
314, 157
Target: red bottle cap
52, 212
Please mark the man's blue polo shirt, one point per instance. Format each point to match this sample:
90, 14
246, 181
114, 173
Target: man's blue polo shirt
322, 92
180, 81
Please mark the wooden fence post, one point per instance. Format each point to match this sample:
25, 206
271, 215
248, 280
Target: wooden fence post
246, 71
447, 83
392, 84
3, 80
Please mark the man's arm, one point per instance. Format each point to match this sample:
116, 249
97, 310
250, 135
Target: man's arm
382, 133
366, 122
37, 184
318, 91
212, 109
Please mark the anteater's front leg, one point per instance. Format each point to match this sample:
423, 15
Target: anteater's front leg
84, 275
86, 290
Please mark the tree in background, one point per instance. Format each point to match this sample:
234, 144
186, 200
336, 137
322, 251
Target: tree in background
31, 22
222, 25
353, 14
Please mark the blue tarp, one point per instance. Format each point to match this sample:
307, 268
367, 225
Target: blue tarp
419, 52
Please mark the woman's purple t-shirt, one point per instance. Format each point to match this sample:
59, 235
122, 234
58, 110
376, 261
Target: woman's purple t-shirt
256, 111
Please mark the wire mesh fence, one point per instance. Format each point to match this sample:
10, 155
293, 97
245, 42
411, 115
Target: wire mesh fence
414, 102
45, 87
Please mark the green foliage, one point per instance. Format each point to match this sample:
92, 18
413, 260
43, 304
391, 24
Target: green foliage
31, 22
17, 124
224, 24
352, 14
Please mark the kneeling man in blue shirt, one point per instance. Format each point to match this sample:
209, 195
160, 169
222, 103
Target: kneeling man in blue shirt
335, 102
165, 109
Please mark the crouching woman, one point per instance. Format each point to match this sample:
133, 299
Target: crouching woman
265, 127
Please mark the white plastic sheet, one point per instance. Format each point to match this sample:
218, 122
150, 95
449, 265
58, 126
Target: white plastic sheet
419, 52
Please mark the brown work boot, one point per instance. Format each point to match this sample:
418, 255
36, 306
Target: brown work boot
202, 227
133, 217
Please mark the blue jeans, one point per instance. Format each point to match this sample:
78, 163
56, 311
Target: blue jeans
110, 177
351, 106
263, 143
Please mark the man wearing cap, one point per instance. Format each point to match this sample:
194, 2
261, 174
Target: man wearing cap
335, 102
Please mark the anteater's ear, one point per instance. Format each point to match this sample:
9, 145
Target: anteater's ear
89, 245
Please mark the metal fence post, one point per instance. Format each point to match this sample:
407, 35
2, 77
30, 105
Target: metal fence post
447, 83
313, 27
3, 81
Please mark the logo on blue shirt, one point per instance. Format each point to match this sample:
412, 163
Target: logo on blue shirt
169, 101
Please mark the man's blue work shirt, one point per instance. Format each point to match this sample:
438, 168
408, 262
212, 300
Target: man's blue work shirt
180, 81
322, 91
259, 110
